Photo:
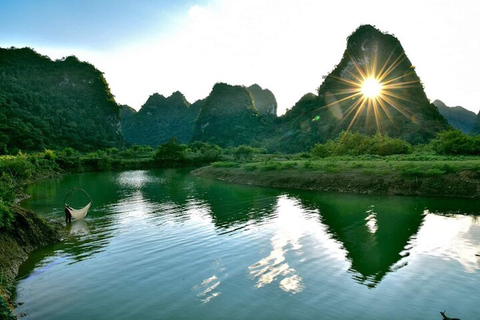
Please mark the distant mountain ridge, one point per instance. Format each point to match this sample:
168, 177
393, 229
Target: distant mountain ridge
161, 118
402, 110
476, 126
264, 99
54, 104
227, 109
230, 115
234, 115
458, 117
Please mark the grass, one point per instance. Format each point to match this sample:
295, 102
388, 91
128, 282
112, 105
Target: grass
405, 165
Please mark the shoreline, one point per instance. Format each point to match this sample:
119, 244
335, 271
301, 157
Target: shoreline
463, 184
27, 233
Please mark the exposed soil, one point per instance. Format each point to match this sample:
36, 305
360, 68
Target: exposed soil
27, 232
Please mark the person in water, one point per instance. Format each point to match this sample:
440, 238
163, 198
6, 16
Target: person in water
68, 215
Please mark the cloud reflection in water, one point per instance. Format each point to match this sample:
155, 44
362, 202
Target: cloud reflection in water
291, 225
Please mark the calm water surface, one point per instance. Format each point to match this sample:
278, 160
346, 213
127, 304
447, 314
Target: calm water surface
166, 245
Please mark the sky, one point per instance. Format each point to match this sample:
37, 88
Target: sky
157, 46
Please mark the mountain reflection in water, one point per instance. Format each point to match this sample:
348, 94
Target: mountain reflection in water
194, 240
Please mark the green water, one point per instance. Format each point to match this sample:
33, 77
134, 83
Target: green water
166, 245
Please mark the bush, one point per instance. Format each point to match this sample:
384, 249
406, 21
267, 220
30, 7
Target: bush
434, 172
226, 164
455, 142
200, 153
412, 171
17, 167
289, 165
244, 153
320, 151
171, 154
355, 144
5, 215
49, 154
14, 172
271, 165
308, 165
68, 152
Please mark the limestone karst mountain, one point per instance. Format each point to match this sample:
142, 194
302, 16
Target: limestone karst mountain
228, 117
54, 104
264, 100
476, 126
458, 117
160, 119
373, 89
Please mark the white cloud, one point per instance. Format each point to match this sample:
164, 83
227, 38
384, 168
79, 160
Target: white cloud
288, 45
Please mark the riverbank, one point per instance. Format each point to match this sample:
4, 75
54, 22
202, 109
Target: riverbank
26, 233
416, 178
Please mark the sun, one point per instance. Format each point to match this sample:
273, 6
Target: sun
371, 88
372, 91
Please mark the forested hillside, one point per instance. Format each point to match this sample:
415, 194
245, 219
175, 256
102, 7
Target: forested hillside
160, 119
458, 117
399, 109
229, 118
476, 126
54, 104
264, 99
67, 103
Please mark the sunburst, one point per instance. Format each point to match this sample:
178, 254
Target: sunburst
373, 90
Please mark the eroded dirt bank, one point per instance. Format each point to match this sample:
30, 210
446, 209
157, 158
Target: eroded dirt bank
27, 232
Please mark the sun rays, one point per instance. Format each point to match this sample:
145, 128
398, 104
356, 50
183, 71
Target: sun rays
371, 90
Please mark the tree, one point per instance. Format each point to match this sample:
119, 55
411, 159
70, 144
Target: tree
244, 153
171, 153
455, 142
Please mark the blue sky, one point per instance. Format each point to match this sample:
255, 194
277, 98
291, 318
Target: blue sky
93, 24
287, 46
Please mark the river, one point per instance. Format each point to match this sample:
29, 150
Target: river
162, 244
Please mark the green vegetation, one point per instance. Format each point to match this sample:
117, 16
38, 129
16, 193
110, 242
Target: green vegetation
264, 99
159, 119
450, 152
455, 142
54, 104
228, 118
458, 117
368, 155
405, 165
350, 163
15, 172
349, 143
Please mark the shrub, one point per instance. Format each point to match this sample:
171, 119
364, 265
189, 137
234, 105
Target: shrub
289, 165
268, 166
308, 165
49, 154
244, 153
226, 164
250, 167
455, 142
410, 171
434, 172
171, 153
320, 151
68, 152
355, 144
5, 215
